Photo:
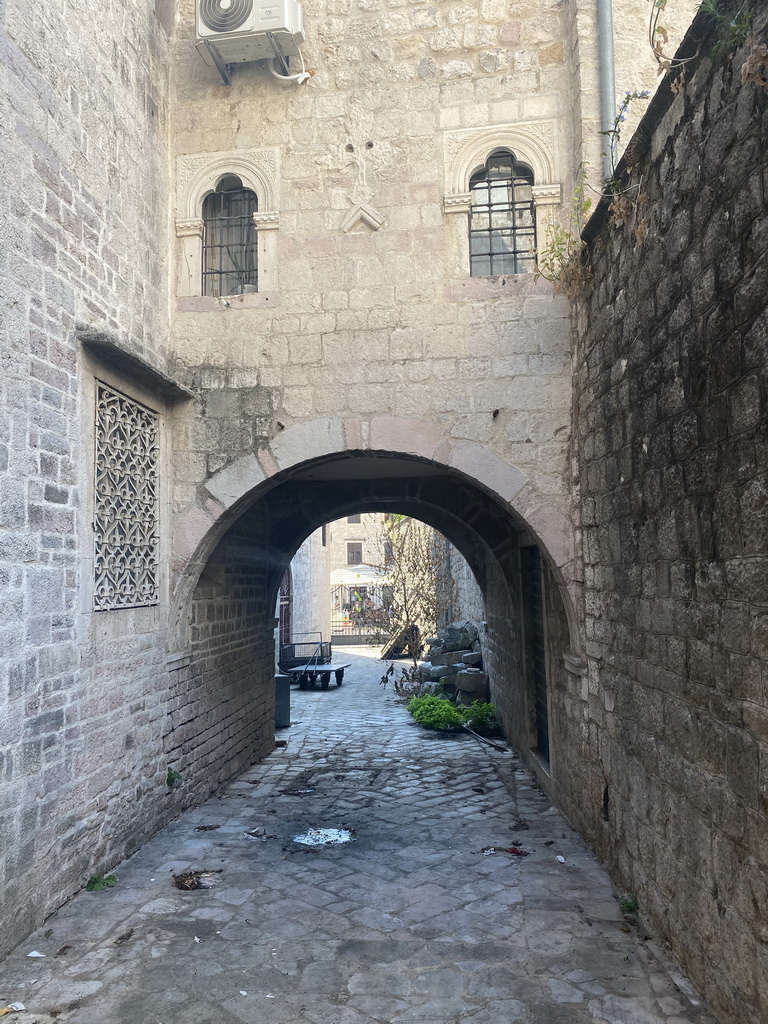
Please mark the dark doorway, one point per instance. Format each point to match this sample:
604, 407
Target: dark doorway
535, 644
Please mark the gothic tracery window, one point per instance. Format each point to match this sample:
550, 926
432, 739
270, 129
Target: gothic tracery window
230, 249
125, 517
502, 223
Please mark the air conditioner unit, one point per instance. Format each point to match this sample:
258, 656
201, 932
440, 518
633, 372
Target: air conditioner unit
245, 30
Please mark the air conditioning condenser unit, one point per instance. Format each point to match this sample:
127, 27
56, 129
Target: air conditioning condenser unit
246, 30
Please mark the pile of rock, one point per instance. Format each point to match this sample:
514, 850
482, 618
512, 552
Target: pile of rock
454, 663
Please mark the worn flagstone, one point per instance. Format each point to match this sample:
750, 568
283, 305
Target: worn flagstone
410, 922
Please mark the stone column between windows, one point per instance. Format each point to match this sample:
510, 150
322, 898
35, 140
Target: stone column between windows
190, 271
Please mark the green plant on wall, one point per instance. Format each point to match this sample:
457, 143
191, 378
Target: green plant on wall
736, 28
97, 883
561, 258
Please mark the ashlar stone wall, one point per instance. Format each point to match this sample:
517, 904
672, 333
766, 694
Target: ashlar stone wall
669, 768
84, 114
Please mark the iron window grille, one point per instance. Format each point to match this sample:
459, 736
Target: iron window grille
230, 241
502, 218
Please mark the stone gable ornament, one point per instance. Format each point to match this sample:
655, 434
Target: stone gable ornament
362, 215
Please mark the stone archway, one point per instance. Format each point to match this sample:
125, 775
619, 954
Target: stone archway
257, 520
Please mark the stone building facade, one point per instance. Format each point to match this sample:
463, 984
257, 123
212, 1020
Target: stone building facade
166, 452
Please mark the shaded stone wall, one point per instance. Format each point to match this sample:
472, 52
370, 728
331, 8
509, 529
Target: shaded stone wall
668, 771
84, 116
222, 697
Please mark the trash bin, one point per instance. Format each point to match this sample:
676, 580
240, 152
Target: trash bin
282, 701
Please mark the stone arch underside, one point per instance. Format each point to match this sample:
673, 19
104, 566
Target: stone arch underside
222, 696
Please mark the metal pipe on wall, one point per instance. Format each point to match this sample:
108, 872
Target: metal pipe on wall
607, 74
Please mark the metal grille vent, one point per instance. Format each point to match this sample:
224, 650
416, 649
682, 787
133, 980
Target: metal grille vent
225, 15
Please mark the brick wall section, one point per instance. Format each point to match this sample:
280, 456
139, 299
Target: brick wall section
673, 453
83, 116
222, 702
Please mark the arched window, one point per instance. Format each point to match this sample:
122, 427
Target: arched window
502, 218
230, 243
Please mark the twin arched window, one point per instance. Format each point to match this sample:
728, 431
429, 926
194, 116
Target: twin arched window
230, 241
502, 217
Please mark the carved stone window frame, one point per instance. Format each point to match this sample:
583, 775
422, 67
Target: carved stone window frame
466, 150
197, 176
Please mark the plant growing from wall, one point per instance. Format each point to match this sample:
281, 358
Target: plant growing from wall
561, 259
97, 883
736, 28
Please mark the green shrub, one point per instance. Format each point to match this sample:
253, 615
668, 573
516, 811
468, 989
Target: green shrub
436, 713
97, 883
628, 904
480, 717
440, 713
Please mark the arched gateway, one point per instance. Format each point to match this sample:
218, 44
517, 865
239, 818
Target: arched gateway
232, 550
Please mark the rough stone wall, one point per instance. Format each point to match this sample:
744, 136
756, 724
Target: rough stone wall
668, 773
469, 602
83, 120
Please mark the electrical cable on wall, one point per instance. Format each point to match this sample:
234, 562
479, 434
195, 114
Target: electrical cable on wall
299, 78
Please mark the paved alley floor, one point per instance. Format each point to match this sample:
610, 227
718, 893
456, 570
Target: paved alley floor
412, 921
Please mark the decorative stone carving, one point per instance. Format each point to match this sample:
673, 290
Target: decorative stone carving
362, 214
532, 142
196, 177
189, 228
125, 508
266, 221
199, 174
459, 203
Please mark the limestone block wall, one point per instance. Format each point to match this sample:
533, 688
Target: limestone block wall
365, 320
310, 571
84, 114
668, 773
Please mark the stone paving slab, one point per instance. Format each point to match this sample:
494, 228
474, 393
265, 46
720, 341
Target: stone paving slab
410, 923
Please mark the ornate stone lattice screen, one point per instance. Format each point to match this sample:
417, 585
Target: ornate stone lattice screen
125, 513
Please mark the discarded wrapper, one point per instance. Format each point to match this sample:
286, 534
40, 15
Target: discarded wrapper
35, 953
12, 1008
561, 859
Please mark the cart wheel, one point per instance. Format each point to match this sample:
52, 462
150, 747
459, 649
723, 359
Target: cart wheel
313, 680
325, 679
303, 681
339, 676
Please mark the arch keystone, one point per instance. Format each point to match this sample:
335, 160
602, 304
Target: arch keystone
235, 480
308, 440
488, 469
407, 434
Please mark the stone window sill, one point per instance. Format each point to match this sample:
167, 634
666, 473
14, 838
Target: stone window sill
208, 304
470, 289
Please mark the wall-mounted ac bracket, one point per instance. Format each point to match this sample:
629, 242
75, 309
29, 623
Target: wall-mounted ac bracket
215, 56
279, 55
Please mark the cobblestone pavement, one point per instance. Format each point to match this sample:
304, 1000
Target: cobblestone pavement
410, 922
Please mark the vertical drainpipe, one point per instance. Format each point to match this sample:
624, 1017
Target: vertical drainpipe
607, 75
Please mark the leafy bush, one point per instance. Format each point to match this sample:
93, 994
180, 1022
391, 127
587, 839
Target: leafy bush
628, 904
436, 713
480, 717
97, 883
440, 713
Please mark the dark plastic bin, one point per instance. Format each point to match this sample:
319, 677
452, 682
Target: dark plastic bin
282, 701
